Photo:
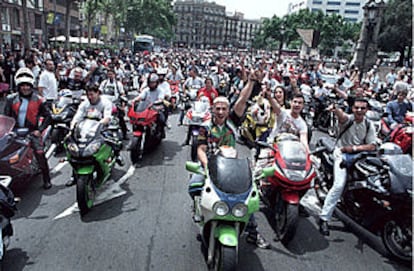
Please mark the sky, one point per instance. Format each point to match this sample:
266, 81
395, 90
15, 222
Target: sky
255, 9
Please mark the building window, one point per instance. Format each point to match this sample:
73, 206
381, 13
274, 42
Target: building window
332, 11
351, 4
334, 3
317, 2
16, 16
316, 9
351, 20
38, 21
351, 12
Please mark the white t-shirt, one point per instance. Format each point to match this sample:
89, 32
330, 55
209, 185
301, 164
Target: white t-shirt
285, 123
48, 82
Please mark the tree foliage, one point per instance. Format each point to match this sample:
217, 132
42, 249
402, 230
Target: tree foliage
396, 27
153, 17
334, 30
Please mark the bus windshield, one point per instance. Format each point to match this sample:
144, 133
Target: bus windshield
144, 43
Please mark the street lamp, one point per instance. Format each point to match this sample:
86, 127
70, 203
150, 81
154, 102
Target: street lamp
371, 14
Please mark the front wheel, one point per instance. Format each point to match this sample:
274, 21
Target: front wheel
85, 193
286, 218
136, 152
225, 258
194, 149
398, 240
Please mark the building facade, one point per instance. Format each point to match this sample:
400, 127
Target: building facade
350, 10
46, 18
205, 25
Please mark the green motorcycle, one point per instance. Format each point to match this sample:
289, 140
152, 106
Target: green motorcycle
228, 198
92, 157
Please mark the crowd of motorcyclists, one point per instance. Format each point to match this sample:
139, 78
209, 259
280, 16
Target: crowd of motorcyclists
252, 98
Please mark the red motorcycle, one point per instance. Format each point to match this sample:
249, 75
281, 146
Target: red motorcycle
147, 130
402, 134
17, 157
283, 184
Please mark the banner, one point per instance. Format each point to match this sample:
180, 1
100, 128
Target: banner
50, 18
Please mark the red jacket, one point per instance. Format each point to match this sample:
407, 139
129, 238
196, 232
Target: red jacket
35, 109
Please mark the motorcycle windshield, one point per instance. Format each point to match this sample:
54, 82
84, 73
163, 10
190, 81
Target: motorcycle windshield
141, 106
402, 168
293, 153
201, 107
63, 101
230, 175
86, 130
6, 125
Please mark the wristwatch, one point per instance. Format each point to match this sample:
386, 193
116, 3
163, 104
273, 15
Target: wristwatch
354, 148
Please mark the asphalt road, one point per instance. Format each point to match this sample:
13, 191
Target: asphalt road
144, 223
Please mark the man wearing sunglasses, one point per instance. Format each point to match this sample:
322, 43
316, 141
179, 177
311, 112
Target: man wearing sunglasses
357, 134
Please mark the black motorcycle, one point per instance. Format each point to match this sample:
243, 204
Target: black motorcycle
378, 192
324, 120
7, 210
63, 110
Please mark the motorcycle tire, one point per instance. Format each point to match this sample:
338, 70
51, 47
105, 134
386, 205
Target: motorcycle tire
397, 241
286, 220
135, 152
194, 149
225, 258
85, 193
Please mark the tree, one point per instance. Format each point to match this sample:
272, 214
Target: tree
90, 9
153, 17
396, 28
26, 26
67, 22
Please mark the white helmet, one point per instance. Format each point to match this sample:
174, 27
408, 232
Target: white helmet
161, 71
24, 75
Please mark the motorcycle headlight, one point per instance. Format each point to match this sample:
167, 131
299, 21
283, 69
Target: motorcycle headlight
295, 175
221, 208
92, 149
73, 149
239, 210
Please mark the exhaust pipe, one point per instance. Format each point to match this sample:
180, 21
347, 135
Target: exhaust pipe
51, 150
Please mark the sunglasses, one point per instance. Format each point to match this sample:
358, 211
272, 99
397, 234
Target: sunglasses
359, 108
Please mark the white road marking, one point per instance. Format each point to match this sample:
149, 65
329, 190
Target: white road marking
109, 191
59, 166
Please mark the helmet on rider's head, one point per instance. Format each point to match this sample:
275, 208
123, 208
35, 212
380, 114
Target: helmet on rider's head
65, 93
24, 76
152, 81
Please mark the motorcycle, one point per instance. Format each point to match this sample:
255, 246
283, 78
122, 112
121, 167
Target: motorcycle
184, 104
197, 116
228, 199
327, 121
378, 192
62, 113
147, 130
17, 157
7, 211
90, 152
283, 184
402, 134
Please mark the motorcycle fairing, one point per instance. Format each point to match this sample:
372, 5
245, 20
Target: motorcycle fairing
291, 197
230, 175
401, 172
137, 133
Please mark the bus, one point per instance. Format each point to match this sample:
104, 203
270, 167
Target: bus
143, 43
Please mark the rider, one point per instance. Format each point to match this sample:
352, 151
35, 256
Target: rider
26, 108
76, 84
222, 132
289, 120
208, 91
114, 90
151, 94
357, 135
96, 107
397, 108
